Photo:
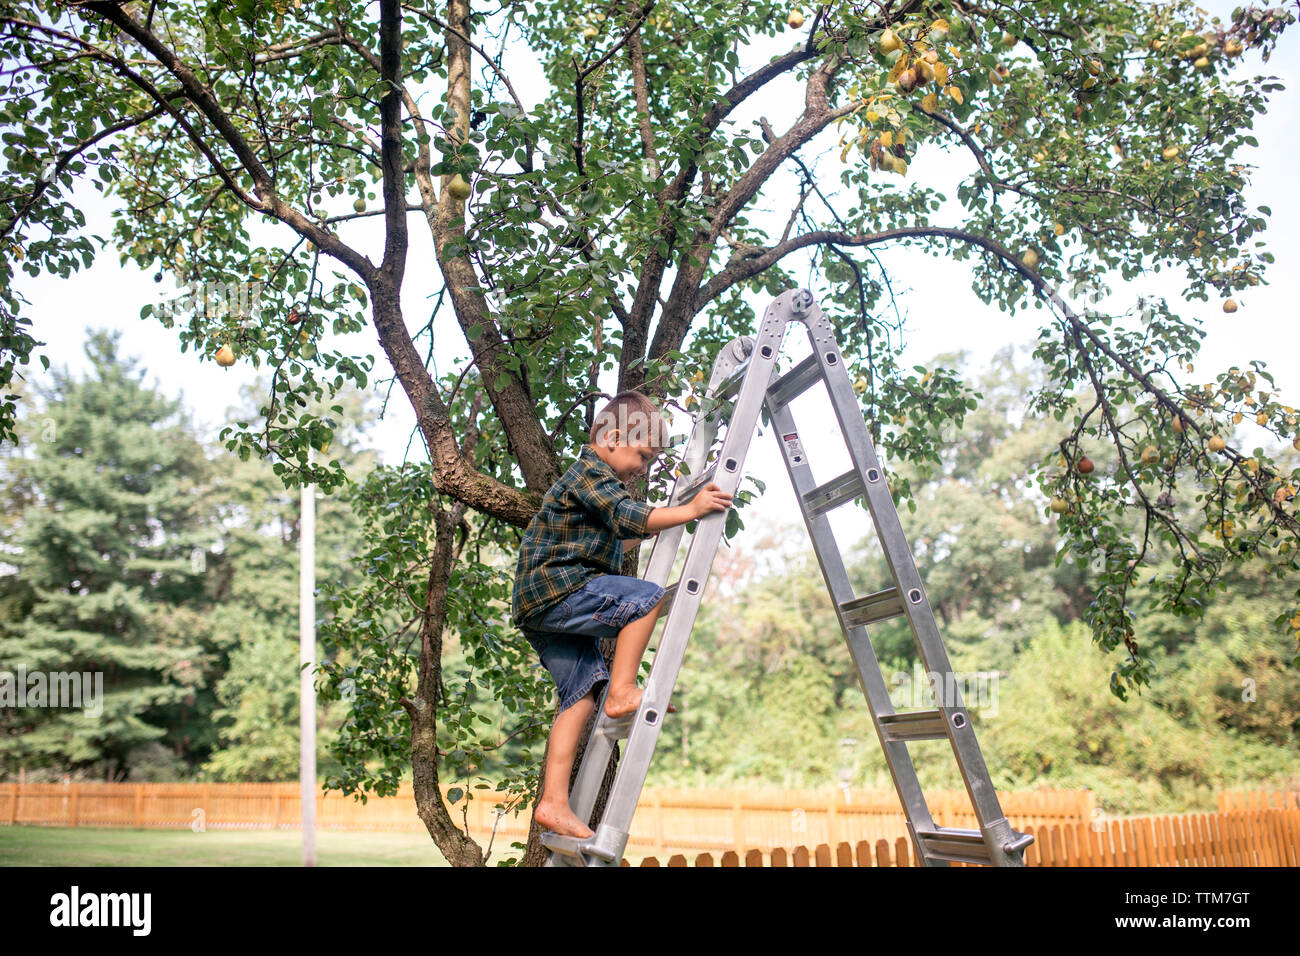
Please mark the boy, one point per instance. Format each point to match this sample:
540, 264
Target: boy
569, 591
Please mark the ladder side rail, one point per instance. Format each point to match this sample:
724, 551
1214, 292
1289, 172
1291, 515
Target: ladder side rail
907, 577
872, 681
663, 555
612, 833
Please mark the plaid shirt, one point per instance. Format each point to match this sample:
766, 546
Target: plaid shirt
576, 535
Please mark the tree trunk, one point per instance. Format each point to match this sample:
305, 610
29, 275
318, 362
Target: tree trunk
456, 845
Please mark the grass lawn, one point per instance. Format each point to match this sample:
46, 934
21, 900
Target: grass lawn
96, 846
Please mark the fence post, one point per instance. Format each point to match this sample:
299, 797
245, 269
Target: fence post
13, 806
738, 823
72, 805
139, 806
657, 808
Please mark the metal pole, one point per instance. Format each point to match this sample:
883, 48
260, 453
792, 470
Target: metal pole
307, 656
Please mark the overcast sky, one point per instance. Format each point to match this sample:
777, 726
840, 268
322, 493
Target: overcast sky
942, 313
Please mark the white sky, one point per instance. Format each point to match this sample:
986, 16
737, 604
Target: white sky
942, 313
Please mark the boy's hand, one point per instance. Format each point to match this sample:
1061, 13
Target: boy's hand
710, 498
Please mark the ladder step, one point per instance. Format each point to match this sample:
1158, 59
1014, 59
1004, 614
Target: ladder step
914, 725
955, 845
880, 606
836, 492
794, 382
617, 728
966, 846
576, 848
730, 385
695, 483
670, 592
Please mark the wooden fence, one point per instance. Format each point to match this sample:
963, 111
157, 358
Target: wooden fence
1233, 838
1257, 799
866, 828
667, 819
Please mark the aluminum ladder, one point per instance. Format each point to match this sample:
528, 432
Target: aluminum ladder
745, 369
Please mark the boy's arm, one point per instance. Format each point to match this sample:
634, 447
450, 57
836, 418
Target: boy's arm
707, 499
606, 496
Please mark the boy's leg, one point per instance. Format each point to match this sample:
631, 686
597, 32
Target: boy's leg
624, 696
553, 810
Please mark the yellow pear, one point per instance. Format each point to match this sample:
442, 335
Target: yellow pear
795, 19
225, 356
458, 188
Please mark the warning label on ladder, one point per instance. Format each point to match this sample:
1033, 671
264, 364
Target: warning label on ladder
792, 446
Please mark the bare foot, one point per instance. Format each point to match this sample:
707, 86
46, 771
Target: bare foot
561, 819
619, 702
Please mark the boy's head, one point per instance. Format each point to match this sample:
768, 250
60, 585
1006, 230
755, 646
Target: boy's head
628, 433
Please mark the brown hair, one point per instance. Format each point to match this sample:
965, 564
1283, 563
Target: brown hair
636, 417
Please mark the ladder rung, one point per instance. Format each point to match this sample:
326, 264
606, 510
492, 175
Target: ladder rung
695, 483
834, 493
579, 848
731, 384
794, 382
955, 845
617, 728
914, 725
670, 592
880, 606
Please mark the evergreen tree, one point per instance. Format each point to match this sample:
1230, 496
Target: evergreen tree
110, 549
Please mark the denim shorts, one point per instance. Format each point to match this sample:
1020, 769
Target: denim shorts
566, 636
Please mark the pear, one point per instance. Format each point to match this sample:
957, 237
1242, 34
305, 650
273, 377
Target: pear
1030, 259
225, 356
1229, 305
795, 19
889, 41
458, 188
